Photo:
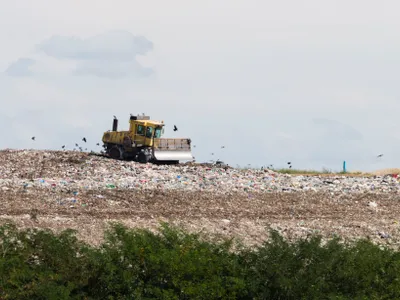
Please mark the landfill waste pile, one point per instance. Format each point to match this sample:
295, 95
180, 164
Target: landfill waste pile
58, 170
64, 189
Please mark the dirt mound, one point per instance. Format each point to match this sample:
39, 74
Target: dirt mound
384, 172
247, 218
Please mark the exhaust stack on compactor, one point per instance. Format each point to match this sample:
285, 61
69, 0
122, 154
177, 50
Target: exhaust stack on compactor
115, 125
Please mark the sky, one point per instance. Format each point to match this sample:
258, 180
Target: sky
310, 82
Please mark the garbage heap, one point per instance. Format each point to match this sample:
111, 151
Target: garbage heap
75, 170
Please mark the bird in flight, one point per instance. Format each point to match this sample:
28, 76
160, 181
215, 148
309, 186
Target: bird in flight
380, 155
63, 146
175, 128
33, 138
84, 139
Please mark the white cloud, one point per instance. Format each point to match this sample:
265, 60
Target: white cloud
111, 55
112, 46
21, 67
108, 69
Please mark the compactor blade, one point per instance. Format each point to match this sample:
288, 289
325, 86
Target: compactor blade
173, 155
172, 150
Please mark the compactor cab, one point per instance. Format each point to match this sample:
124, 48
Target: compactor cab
143, 142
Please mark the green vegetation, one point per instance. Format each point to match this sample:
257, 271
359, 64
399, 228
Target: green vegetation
324, 171
302, 172
137, 264
315, 172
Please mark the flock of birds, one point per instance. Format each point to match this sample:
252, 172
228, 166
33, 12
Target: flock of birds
76, 144
85, 140
218, 161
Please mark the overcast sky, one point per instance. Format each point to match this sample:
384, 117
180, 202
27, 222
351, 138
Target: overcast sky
312, 82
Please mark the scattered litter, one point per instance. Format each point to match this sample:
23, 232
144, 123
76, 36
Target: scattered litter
372, 204
383, 235
77, 171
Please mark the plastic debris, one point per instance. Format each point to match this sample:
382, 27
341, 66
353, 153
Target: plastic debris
77, 171
383, 235
372, 204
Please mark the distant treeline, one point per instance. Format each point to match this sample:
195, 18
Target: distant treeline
137, 264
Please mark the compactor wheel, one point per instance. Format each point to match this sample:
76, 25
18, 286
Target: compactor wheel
115, 153
143, 158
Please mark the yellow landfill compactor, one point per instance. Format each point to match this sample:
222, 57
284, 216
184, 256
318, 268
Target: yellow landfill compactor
143, 143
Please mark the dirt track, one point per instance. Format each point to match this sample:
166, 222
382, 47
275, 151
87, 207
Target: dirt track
247, 218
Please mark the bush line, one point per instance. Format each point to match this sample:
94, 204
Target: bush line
173, 264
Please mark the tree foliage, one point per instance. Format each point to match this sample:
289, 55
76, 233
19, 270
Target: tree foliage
138, 264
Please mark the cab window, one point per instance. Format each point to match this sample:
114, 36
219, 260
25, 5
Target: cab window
140, 130
149, 131
157, 133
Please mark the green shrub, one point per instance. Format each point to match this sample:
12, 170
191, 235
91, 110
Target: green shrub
36, 264
173, 264
137, 264
308, 270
